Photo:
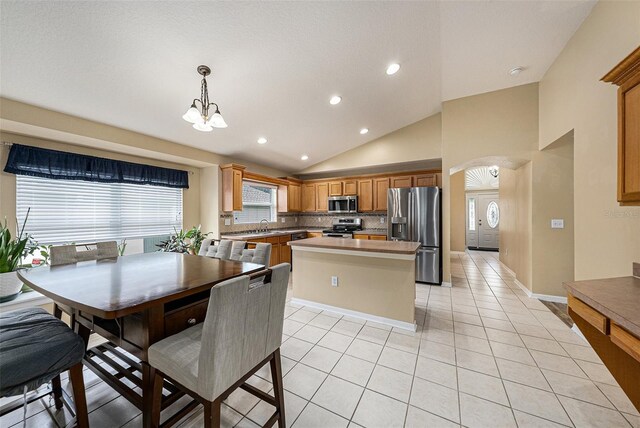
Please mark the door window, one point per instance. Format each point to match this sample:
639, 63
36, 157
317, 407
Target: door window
493, 214
472, 214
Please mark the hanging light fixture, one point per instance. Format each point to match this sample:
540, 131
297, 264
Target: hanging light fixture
199, 115
494, 171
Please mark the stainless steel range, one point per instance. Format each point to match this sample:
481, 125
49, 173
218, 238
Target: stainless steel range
343, 228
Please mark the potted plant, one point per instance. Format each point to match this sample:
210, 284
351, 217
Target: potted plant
184, 241
12, 252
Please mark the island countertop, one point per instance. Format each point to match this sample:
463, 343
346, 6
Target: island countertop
388, 247
616, 298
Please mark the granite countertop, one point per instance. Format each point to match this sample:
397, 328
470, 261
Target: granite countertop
616, 298
372, 232
275, 232
392, 247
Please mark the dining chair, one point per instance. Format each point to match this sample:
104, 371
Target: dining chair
74, 253
241, 332
35, 348
220, 249
261, 254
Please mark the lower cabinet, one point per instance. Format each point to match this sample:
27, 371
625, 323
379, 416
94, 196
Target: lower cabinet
314, 234
369, 237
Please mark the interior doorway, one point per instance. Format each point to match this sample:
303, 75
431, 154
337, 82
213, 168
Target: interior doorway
483, 220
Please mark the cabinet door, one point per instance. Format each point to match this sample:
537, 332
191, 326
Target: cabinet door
378, 237
237, 190
314, 235
629, 142
365, 195
294, 197
425, 180
360, 236
381, 185
285, 253
404, 181
275, 254
335, 188
322, 195
308, 198
350, 187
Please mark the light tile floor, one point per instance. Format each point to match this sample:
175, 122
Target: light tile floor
484, 355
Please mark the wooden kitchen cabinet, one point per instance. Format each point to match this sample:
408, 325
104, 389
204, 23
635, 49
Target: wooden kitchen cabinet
285, 250
308, 198
349, 187
380, 187
425, 180
335, 188
232, 187
365, 195
402, 181
360, 236
314, 234
378, 237
626, 75
322, 195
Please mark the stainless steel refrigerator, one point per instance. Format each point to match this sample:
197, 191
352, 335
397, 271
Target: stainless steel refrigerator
415, 215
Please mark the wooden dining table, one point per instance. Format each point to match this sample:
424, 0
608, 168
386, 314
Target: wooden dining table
134, 301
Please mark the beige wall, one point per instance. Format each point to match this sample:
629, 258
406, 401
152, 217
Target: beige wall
418, 141
572, 98
515, 222
190, 196
552, 187
497, 124
458, 212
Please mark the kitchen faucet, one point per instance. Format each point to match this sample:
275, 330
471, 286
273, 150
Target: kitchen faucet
266, 227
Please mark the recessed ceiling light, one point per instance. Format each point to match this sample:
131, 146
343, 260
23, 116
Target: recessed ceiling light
515, 71
262, 140
304, 157
335, 100
393, 68
364, 131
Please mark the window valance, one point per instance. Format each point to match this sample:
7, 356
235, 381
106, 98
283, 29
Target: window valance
39, 162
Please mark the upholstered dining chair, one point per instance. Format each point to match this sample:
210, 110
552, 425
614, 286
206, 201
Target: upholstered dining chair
242, 332
220, 249
35, 347
74, 253
261, 254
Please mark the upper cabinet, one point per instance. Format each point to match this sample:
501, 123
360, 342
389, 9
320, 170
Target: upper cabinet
349, 187
309, 197
335, 188
322, 195
290, 196
380, 187
365, 195
402, 181
425, 180
232, 187
626, 75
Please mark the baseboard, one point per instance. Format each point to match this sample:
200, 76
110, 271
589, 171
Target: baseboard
446, 284
458, 253
523, 288
550, 298
368, 317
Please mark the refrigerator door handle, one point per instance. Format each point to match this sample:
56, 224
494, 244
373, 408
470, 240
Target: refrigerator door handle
427, 250
411, 217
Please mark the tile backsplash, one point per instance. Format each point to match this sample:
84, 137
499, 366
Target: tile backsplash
304, 220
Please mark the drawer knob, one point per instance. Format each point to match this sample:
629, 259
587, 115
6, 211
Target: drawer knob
191, 321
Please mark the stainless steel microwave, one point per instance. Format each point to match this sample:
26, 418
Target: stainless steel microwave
343, 204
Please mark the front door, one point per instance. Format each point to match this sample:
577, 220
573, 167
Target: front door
483, 220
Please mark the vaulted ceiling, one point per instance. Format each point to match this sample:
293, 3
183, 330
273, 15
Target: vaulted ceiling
275, 65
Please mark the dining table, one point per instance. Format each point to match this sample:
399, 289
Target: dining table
134, 301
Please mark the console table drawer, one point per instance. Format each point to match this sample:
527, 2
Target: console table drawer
590, 315
625, 340
183, 318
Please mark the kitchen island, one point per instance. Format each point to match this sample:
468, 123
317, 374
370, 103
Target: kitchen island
373, 280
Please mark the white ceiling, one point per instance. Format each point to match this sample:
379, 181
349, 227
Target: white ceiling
275, 65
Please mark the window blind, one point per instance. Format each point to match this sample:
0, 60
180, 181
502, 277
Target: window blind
64, 211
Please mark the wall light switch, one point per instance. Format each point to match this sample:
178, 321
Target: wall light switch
284, 219
319, 219
381, 220
296, 219
227, 222
557, 223
334, 281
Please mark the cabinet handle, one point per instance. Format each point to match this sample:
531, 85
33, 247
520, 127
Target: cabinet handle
191, 321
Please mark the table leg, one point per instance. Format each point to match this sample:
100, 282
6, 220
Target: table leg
148, 375
84, 333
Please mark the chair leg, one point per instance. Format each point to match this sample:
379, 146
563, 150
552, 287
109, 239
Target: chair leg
56, 386
212, 413
79, 398
278, 390
156, 397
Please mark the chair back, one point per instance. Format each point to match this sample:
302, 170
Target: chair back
208, 245
236, 250
260, 255
242, 327
67, 254
220, 249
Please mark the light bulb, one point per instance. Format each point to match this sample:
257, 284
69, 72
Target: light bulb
262, 140
304, 157
335, 100
393, 69
192, 114
364, 131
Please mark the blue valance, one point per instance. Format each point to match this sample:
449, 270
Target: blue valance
38, 162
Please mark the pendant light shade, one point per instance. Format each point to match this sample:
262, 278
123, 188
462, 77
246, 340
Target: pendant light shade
198, 113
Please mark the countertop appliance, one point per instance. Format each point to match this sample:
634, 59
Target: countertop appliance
342, 204
415, 215
343, 227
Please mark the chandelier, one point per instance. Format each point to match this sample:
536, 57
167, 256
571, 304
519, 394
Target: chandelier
199, 114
